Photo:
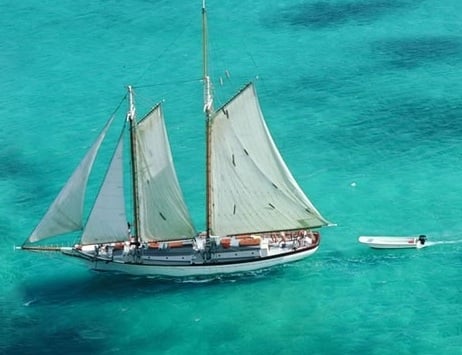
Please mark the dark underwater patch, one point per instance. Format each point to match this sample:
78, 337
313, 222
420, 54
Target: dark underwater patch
13, 165
24, 176
389, 124
395, 125
413, 52
325, 14
424, 118
67, 339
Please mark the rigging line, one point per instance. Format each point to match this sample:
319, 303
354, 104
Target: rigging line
146, 97
119, 105
167, 48
167, 83
251, 56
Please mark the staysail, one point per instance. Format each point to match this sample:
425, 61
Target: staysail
252, 188
163, 212
65, 214
108, 221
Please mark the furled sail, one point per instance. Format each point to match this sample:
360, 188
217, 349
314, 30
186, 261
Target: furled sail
252, 189
108, 221
65, 214
163, 213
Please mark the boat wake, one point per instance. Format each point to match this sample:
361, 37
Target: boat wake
443, 242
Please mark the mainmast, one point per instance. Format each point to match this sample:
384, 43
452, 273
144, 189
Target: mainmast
208, 110
131, 117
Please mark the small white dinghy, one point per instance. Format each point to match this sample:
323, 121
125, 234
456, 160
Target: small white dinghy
388, 242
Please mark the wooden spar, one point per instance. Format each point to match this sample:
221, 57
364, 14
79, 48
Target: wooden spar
131, 116
208, 113
39, 248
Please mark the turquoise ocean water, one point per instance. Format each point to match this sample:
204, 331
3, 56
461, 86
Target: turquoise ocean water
364, 99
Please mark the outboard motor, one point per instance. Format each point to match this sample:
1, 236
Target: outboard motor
422, 239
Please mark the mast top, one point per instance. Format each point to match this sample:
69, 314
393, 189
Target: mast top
208, 97
131, 110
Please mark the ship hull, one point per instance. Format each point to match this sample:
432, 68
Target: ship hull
186, 262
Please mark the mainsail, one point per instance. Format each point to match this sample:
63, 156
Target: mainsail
65, 214
252, 188
163, 212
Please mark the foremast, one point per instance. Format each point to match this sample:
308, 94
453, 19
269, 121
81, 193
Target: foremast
131, 118
208, 110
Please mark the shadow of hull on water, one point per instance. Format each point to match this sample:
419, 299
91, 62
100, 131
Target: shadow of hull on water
84, 287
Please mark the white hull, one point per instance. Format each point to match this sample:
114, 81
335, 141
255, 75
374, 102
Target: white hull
187, 258
187, 270
198, 270
389, 242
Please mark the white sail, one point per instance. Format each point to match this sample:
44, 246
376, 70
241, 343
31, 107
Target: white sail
65, 214
108, 221
252, 189
249, 191
163, 213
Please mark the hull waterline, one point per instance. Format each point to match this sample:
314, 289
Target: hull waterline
199, 270
207, 269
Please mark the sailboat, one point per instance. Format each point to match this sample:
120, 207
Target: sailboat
257, 216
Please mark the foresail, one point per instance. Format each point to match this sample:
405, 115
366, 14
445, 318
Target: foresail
163, 212
65, 214
252, 188
108, 221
